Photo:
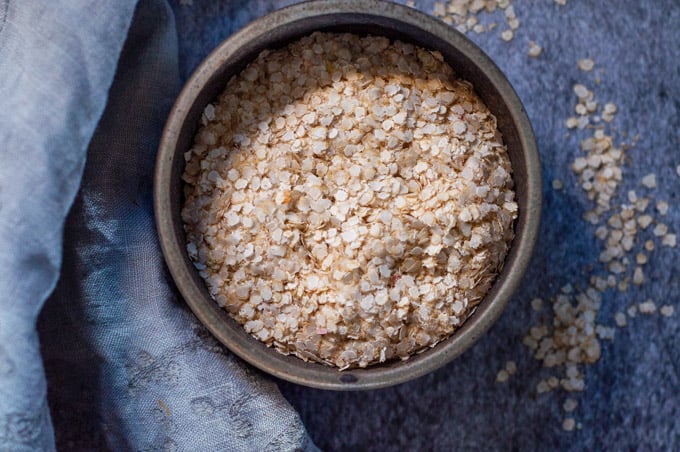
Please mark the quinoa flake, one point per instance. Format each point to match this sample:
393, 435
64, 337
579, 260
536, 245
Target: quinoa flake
570, 405
502, 376
647, 307
535, 50
667, 310
649, 180
586, 64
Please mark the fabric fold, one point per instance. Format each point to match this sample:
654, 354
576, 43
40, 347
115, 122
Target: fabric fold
128, 365
55, 73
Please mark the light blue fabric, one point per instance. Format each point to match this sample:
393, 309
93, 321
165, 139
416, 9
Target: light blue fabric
55, 71
127, 366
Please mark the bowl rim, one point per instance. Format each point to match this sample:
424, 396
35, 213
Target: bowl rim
291, 368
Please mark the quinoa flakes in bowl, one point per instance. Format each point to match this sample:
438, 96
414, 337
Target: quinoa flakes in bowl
352, 183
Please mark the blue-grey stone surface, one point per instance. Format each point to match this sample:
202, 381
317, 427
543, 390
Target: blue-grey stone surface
632, 395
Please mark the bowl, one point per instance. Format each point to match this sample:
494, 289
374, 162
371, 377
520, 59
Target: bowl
275, 30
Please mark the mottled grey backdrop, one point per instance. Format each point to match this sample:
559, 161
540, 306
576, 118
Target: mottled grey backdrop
632, 396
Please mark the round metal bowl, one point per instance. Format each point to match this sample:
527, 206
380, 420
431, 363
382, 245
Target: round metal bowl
360, 17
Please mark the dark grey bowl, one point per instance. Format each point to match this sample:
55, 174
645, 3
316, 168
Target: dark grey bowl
361, 17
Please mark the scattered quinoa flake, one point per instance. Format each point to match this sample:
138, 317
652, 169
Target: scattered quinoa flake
543, 387
557, 184
502, 376
620, 319
669, 240
644, 221
662, 207
638, 276
677, 170
537, 304
649, 180
569, 424
660, 230
611, 280
632, 311
610, 108
581, 91
570, 405
507, 35
534, 49
647, 307
313, 224
511, 367
599, 283
586, 64
666, 310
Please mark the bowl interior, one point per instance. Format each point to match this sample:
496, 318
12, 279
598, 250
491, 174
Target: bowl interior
359, 17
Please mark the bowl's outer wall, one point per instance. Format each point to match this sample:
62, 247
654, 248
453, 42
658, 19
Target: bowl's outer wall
361, 17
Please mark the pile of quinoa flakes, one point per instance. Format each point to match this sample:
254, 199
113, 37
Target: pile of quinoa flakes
574, 337
464, 15
348, 200
628, 230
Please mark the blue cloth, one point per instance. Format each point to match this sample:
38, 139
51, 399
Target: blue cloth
128, 367
55, 71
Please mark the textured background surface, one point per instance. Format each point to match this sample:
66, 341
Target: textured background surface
631, 398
